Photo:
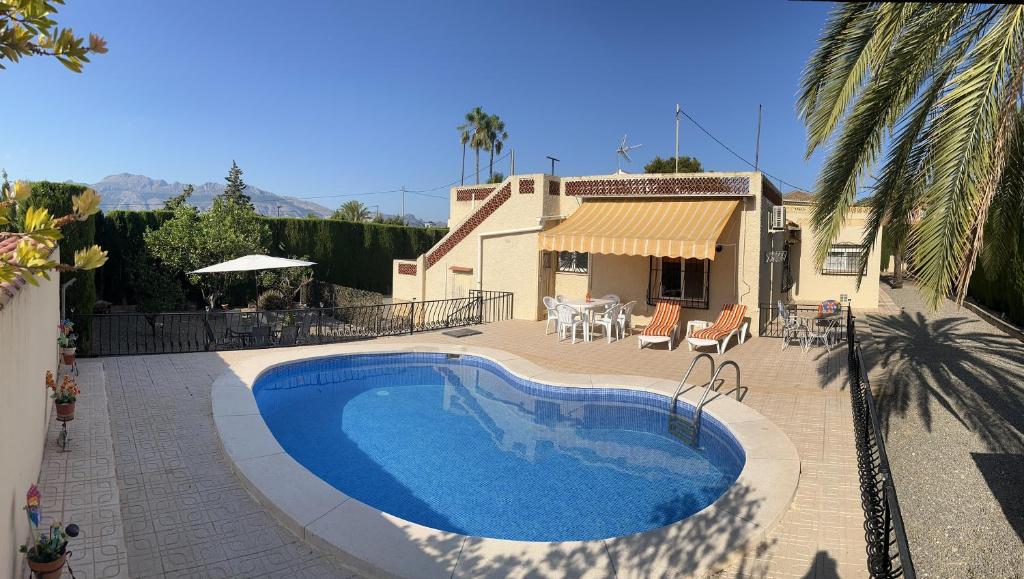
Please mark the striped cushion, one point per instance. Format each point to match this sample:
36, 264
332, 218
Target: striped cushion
665, 321
730, 319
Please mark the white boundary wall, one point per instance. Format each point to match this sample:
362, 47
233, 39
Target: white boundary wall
28, 348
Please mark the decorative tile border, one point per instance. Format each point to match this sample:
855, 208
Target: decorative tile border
554, 187
455, 237
660, 187
526, 186
407, 269
478, 194
380, 543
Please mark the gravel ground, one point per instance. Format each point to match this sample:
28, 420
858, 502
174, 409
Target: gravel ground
952, 409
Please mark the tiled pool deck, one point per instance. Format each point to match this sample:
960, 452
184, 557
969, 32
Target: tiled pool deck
185, 514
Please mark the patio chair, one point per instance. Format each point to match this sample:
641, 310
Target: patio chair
626, 319
791, 326
614, 298
550, 304
568, 320
609, 320
561, 299
825, 330
731, 321
664, 326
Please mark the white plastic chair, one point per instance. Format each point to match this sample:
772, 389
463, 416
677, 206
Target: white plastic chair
626, 319
614, 298
561, 299
609, 320
568, 320
550, 304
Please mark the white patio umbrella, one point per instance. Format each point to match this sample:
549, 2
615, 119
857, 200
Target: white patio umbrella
254, 263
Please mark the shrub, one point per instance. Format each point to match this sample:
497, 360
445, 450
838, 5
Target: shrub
272, 300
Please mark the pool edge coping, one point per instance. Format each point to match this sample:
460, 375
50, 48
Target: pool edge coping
382, 544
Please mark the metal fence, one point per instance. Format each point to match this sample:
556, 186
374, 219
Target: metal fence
887, 547
771, 324
215, 330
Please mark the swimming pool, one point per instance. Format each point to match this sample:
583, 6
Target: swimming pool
460, 444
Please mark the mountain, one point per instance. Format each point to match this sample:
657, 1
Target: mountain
138, 192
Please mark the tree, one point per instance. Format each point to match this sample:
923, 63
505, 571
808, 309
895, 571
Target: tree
465, 136
939, 86
352, 211
180, 199
475, 121
192, 240
389, 220
497, 177
668, 165
494, 130
36, 233
28, 29
236, 186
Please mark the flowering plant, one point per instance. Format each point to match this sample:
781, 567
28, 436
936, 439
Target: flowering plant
45, 547
67, 336
65, 393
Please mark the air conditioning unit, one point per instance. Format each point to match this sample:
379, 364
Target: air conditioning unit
778, 219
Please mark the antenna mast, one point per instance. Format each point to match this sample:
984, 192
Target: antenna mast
678, 110
757, 142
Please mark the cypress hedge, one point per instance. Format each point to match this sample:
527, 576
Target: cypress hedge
1003, 292
120, 234
79, 235
356, 255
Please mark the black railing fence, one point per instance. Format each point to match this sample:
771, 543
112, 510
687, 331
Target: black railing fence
771, 322
887, 547
175, 332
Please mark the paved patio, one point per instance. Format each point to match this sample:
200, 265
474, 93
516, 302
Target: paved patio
952, 410
185, 514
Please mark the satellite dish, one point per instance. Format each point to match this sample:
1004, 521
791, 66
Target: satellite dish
623, 152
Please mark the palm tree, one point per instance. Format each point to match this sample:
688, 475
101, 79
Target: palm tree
496, 136
352, 211
465, 135
475, 123
939, 85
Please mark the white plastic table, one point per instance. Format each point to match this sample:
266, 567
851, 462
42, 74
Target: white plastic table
587, 310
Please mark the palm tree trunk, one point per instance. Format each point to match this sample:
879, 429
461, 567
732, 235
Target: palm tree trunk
490, 167
897, 269
477, 166
462, 181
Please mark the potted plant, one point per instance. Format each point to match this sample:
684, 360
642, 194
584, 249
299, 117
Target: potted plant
66, 341
47, 552
64, 395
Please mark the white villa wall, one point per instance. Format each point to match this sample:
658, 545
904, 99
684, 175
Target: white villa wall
28, 348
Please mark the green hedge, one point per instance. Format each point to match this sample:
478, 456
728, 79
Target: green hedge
356, 255
57, 198
81, 295
1003, 292
120, 233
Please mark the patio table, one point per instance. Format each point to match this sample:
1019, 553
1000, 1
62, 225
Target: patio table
586, 309
829, 320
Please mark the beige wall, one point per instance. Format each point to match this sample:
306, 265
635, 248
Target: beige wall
811, 286
28, 348
511, 260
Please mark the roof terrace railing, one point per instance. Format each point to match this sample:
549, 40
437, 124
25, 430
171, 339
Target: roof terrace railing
887, 547
123, 334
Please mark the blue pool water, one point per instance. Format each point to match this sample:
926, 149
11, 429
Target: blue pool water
462, 445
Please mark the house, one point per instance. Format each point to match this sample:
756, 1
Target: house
704, 239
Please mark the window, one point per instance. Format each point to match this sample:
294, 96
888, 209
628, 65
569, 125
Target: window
685, 280
843, 259
573, 261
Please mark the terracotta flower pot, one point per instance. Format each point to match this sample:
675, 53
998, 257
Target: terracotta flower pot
51, 570
68, 355
66, 411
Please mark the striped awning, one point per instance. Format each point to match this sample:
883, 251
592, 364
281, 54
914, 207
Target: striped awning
658, 227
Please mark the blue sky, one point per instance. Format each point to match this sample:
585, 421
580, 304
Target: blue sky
345, 98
